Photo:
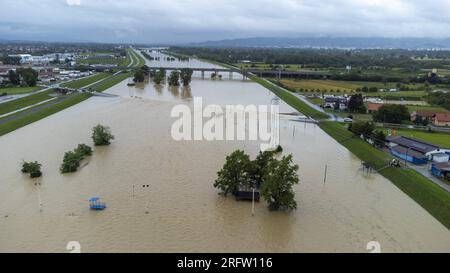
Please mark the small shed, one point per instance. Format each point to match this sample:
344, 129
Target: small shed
441, 170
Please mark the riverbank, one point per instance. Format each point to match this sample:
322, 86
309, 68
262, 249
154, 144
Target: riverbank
431, 197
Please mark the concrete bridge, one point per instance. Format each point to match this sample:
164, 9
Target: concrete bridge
244, 72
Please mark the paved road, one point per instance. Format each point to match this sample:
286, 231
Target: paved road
35, 109
425, 171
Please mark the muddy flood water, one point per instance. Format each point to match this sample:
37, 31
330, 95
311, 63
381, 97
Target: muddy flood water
160, 193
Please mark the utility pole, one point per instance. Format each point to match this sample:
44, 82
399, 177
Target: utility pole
253, 202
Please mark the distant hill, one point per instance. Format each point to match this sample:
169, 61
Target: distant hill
332, 42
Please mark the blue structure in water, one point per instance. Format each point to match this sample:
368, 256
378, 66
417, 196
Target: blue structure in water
95, 204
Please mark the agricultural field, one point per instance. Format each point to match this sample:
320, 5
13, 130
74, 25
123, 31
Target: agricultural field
412, 108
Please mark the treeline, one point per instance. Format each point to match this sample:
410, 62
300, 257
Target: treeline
440, 99
322, 58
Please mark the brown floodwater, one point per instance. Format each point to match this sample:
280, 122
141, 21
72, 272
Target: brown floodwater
180, 209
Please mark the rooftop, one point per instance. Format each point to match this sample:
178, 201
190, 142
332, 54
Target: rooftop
374, 106
414, 144
442, 117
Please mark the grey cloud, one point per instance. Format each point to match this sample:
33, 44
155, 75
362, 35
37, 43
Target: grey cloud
196, 20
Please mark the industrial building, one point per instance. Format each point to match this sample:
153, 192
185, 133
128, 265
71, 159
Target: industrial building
416, 151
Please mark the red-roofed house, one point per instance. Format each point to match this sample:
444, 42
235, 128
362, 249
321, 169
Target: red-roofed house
421, 115
373, 107
441, 119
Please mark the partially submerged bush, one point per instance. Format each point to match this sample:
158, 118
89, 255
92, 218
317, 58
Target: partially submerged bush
72, 159
33, 168
71, 162
101, 135
83, 150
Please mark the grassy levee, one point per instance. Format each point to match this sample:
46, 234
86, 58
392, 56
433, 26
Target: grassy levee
431, 197
139, 61
18, 90
292, 100
17, 104
44, 112
110, 82
85, 81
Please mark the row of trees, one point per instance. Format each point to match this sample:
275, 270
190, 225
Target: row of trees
23, 76
175, 78
367, 131
276, 177
391, 113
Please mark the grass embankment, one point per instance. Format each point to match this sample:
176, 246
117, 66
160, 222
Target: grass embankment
42, 113
24, 102
110, 82
431, 197
427, 194
137, 60
292, 100
18, 90
85, 81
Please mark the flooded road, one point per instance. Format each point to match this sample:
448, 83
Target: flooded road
160, 195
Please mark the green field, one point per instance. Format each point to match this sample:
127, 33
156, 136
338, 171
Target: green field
25, 120
138, 60
85, 81
17, 104
349, 87
290, 99
18, 90
110, 82
431, 197
413, 108
400, 94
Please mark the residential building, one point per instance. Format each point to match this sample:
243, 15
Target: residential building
422, 115
373, 107
441, 119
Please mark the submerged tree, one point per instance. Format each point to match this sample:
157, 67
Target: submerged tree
174, 78
139, 76
186, 76
279, 178
71, 162
101, 135
83, 150
33, 168
260, 164
236, 173
159, 76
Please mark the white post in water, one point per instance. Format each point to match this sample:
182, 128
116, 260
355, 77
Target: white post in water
253, 202
39, 199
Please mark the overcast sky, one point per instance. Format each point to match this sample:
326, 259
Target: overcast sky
174, 21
